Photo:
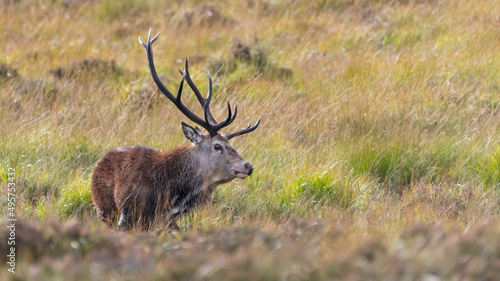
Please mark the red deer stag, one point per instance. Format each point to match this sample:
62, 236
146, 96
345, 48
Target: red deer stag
136, 185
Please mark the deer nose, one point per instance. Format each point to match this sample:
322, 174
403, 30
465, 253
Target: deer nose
249, 168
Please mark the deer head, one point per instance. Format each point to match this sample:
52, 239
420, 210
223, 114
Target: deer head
220, 162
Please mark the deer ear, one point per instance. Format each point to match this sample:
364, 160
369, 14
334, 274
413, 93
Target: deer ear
191, 134
199, 131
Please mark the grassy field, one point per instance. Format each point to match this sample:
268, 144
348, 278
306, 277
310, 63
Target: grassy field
377, 158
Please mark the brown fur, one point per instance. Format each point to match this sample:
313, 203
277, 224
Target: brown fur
136, 186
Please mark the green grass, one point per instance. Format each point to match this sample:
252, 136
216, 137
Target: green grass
378, 147
75, 198
401, 165
488, 169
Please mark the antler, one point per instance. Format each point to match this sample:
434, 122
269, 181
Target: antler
205, 102
209, 123
242, 132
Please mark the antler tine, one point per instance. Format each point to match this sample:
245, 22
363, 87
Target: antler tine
245, 131
235, 112
149, 41
228, 120
202, 100
179, 92
205, 102
230, 117
209, 99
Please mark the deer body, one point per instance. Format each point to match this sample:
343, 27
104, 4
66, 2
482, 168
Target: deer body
136, 186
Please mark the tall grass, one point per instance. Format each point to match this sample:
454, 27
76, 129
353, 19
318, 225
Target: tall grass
376, 114
402, 94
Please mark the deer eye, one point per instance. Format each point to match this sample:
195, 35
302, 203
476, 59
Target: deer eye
217, 146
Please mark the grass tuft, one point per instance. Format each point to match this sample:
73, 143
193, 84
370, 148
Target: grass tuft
324, 189
488, 170
75, 199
